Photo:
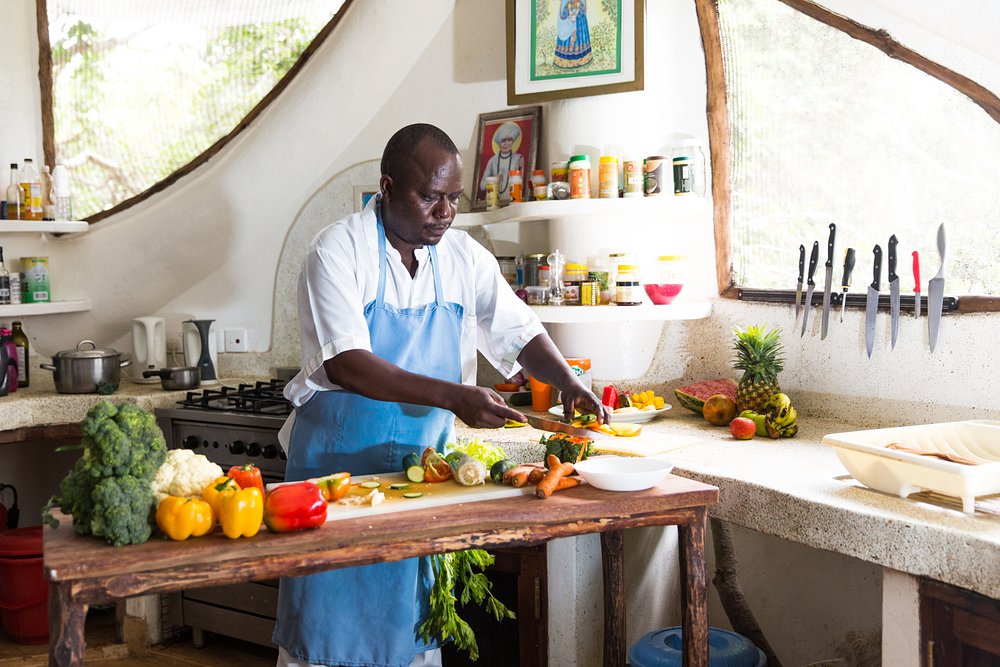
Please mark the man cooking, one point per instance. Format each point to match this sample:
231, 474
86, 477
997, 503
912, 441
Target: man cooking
393, 306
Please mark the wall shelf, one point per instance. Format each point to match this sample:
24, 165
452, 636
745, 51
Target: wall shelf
43, 226
647, 312
664, 204
51, 308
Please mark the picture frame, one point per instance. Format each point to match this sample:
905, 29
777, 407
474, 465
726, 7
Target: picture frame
362, 193
522, 127
558, 49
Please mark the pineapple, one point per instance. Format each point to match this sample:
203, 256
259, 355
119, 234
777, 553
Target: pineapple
758, 355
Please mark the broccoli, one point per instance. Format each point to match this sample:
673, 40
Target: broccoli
568, 448
108, 492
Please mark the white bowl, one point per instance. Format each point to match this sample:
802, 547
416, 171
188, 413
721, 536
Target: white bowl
615, 473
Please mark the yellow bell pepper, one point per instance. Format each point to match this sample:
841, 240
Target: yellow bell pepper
241, 512
180, 518
218, 487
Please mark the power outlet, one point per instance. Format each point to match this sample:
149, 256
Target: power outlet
236, 339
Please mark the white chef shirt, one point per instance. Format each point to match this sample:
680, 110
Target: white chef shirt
340, 277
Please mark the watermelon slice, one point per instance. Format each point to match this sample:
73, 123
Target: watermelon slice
693, 396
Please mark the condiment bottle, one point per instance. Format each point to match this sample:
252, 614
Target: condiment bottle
22, 347
516, 185
559, 172
653, 175
15, 196
31, 186
538, 189
61, 192
7, 340
628, 292
492, 193
576, 275
608, 177
689, 170
579, 177
4, 281
633, 177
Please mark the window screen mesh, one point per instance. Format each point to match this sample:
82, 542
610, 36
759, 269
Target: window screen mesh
826, 129
141, 87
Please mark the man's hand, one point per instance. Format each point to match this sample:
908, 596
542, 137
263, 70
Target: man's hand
480, 407
577, 397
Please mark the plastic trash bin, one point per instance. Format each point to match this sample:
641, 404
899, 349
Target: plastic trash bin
23, 592
725, 649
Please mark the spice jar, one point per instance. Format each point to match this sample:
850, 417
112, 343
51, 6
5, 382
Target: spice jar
628, 292
539, 190
492, 193
653, 175
537, 295
559, 172
608, 177
576, 275
532, 263
579, 177
633, 176
689, 170
516, 185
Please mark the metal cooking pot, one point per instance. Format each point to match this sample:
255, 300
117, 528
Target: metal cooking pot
86, 370
181, 377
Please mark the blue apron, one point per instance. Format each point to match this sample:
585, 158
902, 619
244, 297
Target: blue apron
369, 615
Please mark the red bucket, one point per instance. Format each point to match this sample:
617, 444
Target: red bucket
24, 594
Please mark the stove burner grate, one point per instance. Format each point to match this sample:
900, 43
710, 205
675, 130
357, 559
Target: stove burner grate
262, 397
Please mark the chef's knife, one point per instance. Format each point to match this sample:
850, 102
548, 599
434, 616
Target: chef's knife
798, 285
935, 293
828, 286
871, 306
813, 259
543, 424
916, 284
846, 282
893, 288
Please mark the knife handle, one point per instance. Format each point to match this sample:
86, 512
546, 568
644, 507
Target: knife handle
892, 257
848, 269
802, 262
941, 248
829, 245
813, 260
877, 268
916, 271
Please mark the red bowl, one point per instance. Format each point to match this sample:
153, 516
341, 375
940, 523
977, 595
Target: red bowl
663, 293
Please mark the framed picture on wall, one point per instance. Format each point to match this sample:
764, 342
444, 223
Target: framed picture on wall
573, 48
507, 140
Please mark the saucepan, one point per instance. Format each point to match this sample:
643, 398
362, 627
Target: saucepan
173, 379
86, 370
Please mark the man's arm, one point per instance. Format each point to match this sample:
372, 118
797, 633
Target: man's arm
371, 376
541, 360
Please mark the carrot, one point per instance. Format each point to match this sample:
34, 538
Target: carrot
566, 482
552, 477
536, 475
523, 468
519, 479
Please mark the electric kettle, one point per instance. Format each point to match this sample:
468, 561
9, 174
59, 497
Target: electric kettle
200, 348
149, 347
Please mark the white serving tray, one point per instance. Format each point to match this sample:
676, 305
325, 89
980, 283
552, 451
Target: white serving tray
865, 456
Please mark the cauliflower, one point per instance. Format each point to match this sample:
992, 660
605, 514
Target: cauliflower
184, 474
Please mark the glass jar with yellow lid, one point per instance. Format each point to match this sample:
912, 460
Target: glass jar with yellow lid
666, 280
574, 277
628, 291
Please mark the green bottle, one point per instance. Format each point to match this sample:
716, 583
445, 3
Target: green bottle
21, 343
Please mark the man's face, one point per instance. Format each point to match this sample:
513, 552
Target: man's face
423, 199
505, 144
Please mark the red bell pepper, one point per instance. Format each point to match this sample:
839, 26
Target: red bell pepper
246, 476
294, 506
610, 396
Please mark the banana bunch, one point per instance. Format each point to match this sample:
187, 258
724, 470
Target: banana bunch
777, 419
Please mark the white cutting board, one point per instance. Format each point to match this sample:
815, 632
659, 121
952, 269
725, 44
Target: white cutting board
434, 495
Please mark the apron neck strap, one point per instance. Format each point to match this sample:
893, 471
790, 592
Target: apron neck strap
432, 254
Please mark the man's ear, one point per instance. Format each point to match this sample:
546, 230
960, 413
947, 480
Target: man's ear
385, 186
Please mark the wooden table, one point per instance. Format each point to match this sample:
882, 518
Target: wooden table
84, 570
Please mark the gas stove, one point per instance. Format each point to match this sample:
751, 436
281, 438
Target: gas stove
231, 425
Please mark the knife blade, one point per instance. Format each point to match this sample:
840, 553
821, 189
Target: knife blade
543, 424
935, 293
893, 289
871, 306
798, 285
828, 286
916, 284
813, 259
846, 282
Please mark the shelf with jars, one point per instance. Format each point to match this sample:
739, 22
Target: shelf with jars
680, 310
8, 311
43, 226
664, 204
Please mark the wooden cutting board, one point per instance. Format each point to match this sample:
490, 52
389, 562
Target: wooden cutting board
440, 493
638, 446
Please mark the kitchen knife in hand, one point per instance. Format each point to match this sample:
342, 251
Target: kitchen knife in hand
871, 306
798, 285
828, 285
935, 293
893, 288
813, 259
916, 284
846, 282
543, 424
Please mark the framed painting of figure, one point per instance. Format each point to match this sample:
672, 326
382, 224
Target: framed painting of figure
507, 140
573, 48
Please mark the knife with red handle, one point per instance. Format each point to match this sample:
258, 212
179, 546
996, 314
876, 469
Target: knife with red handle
916, 286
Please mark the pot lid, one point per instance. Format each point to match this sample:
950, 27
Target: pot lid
82, 352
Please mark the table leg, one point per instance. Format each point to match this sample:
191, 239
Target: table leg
66, 623
694, 595
613, 562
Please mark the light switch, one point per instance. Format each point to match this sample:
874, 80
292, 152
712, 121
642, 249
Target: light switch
236, 339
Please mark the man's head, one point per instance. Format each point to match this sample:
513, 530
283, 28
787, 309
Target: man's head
506, 136
421, 184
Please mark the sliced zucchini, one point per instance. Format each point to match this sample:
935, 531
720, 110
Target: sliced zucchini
415, 473
411, 459
398, 486
371, 484
412, 494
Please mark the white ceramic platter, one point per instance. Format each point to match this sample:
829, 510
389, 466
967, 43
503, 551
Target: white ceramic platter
640, 417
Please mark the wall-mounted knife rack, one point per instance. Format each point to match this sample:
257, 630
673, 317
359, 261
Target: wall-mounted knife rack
858, 301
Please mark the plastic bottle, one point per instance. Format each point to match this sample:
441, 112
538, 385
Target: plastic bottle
7, 340
22, 346
48, 200
31, 186
62, 193
4, 282
15, 196
492, 193
538, 189
579, 177
608, 177
516, 185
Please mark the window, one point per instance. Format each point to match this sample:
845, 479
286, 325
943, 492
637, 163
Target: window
826, 128
141, 88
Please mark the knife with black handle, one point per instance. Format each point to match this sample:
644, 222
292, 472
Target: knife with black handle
798, 285
813, 260
828, 285
846, 282
871, 305
893, 288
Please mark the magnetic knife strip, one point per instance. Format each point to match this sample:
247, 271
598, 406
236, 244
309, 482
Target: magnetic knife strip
853, 300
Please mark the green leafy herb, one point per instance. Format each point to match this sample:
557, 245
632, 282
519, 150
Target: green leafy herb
479, 450
455, 573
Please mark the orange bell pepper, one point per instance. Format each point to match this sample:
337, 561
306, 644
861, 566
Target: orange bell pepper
246, 476
241, 512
